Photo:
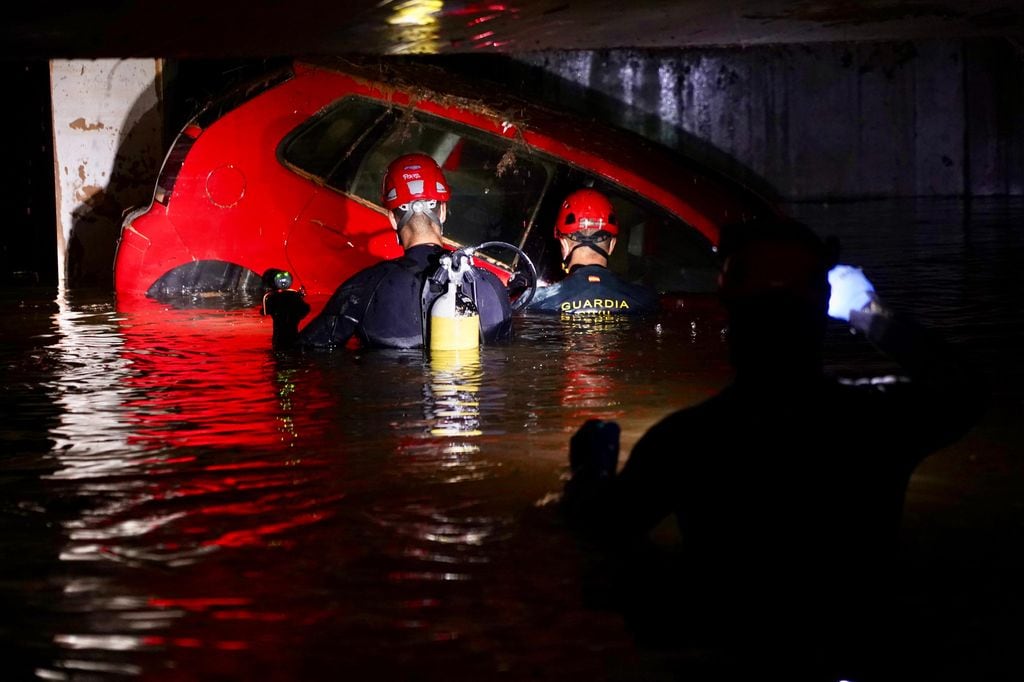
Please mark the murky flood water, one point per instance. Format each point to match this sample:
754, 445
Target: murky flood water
179, 502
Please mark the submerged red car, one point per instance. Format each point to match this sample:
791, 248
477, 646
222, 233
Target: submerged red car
285, 173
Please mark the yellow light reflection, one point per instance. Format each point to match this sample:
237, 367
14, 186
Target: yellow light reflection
416, 13
454, 382
417, 26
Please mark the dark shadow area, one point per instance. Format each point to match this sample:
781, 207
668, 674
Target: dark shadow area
31, 417
193, 84
28, 239
994, 129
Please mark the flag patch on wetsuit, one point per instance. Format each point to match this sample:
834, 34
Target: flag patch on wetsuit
593, 278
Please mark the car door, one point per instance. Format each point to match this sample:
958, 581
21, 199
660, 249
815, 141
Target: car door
335, 235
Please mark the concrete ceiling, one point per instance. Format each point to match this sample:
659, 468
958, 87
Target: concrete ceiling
258, 28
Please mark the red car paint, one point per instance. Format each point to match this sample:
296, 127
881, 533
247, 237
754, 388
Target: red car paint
235, 200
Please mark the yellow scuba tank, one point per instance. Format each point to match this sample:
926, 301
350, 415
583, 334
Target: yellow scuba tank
454, 319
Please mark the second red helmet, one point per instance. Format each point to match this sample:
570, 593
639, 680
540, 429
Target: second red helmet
586, 214
413, 177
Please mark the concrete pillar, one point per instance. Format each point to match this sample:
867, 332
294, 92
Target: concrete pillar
107, 147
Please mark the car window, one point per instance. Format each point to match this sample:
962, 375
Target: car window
497, 189
660, 250
494, 193
654, 247
324, 144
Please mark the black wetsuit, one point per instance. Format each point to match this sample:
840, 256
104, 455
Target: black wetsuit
382, 304
593, 289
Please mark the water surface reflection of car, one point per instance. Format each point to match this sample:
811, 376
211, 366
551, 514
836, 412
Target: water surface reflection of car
285, 173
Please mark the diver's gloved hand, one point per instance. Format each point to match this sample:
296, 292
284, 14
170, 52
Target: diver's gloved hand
593, 459
851, 291
286, 307
594, 450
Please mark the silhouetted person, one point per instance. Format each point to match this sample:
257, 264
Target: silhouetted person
788, 485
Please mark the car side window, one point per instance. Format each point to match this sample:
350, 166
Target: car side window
323, 146
660, 250
654, 247
494, 192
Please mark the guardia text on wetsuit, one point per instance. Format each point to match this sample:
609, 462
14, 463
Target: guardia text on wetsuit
592, 289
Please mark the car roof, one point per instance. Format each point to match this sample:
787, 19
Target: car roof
700, 195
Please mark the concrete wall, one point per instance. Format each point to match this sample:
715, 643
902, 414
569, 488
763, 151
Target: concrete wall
108, 145
813, 121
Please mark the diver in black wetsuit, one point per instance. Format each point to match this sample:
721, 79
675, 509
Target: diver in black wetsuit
586, 229
382, 304
787, 486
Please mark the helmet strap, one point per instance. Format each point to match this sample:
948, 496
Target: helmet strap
588, 244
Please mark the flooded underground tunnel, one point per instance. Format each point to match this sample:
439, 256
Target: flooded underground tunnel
187, 492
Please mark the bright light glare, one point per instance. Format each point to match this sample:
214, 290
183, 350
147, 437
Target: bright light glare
99, 642
416, 13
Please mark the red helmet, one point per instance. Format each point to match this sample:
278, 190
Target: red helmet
586, 215
411, 178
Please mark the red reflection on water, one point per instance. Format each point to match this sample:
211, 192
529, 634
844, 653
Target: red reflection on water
238, 466
264, 504
187, 642
480, 20
203, 378
250, 615
478, 7
205, 383
168, 461
193, 643
255, 536
197, 604
482, 12
591, 355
